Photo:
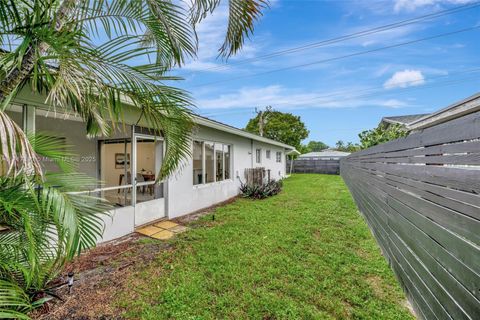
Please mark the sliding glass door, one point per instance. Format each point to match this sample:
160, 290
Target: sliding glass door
115, 171
146, 163
129, 169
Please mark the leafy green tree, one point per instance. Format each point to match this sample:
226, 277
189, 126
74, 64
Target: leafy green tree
87, 57
316, 146
280, 126
303, 149
347, 147
352, 147
381, 134
340, 145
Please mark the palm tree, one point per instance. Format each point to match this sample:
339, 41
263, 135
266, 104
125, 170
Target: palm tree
43, 223
88, 57
84, 55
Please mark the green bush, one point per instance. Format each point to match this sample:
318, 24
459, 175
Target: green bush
261, 191
381, 134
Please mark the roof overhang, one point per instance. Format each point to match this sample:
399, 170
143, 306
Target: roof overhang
387, 120
38, 101
229, 129
293, 152
456, 110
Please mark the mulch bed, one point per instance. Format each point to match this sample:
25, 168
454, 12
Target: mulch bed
98, 274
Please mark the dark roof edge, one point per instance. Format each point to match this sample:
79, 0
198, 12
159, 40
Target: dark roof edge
455, 110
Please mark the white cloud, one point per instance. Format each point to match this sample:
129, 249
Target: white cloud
411, 5
404, 79
253, 97
382, 70
394, 103
283, 98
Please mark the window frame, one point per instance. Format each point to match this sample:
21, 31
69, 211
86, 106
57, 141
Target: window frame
258, 155
229, 148
219, 148
278, 157
268, 154
204, 161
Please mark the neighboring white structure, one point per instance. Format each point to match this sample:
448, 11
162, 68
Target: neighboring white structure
327, 154
221, 154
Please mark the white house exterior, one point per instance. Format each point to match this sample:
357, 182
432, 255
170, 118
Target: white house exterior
213, 174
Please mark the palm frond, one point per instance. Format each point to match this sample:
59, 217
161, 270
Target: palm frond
242, 16
79, 215
161, 24
18, 155
169, 32
176, 125
49, 146
199, 9
14, 303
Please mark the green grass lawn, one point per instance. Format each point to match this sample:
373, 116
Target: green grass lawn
304, 254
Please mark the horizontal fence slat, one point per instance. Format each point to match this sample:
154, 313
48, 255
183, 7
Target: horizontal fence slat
456, 147
472, 159
420, 196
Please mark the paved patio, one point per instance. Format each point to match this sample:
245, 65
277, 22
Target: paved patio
162, 230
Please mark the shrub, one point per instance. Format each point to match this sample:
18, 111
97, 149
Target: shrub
381, 134
261, 191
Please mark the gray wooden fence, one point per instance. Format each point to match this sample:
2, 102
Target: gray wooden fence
420, 197
314, 166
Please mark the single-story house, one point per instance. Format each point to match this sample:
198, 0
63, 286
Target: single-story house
327, 154
220, 155
401, 120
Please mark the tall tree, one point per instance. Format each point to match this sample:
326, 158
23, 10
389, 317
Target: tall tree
347, 147
263, 118
280, 126
315, 146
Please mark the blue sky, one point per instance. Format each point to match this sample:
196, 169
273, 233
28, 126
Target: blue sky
338, 99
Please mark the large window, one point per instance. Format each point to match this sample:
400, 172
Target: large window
197, 162
119, 176
279, 156
211, 162
258, 155
218, 162
115, 171
227, 165
148, 161
267, 154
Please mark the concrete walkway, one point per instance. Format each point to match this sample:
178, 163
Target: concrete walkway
162, 230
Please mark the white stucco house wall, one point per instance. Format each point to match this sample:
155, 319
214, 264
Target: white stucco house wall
220, 155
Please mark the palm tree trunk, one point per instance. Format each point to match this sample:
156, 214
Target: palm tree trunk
17, 75
20, 74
